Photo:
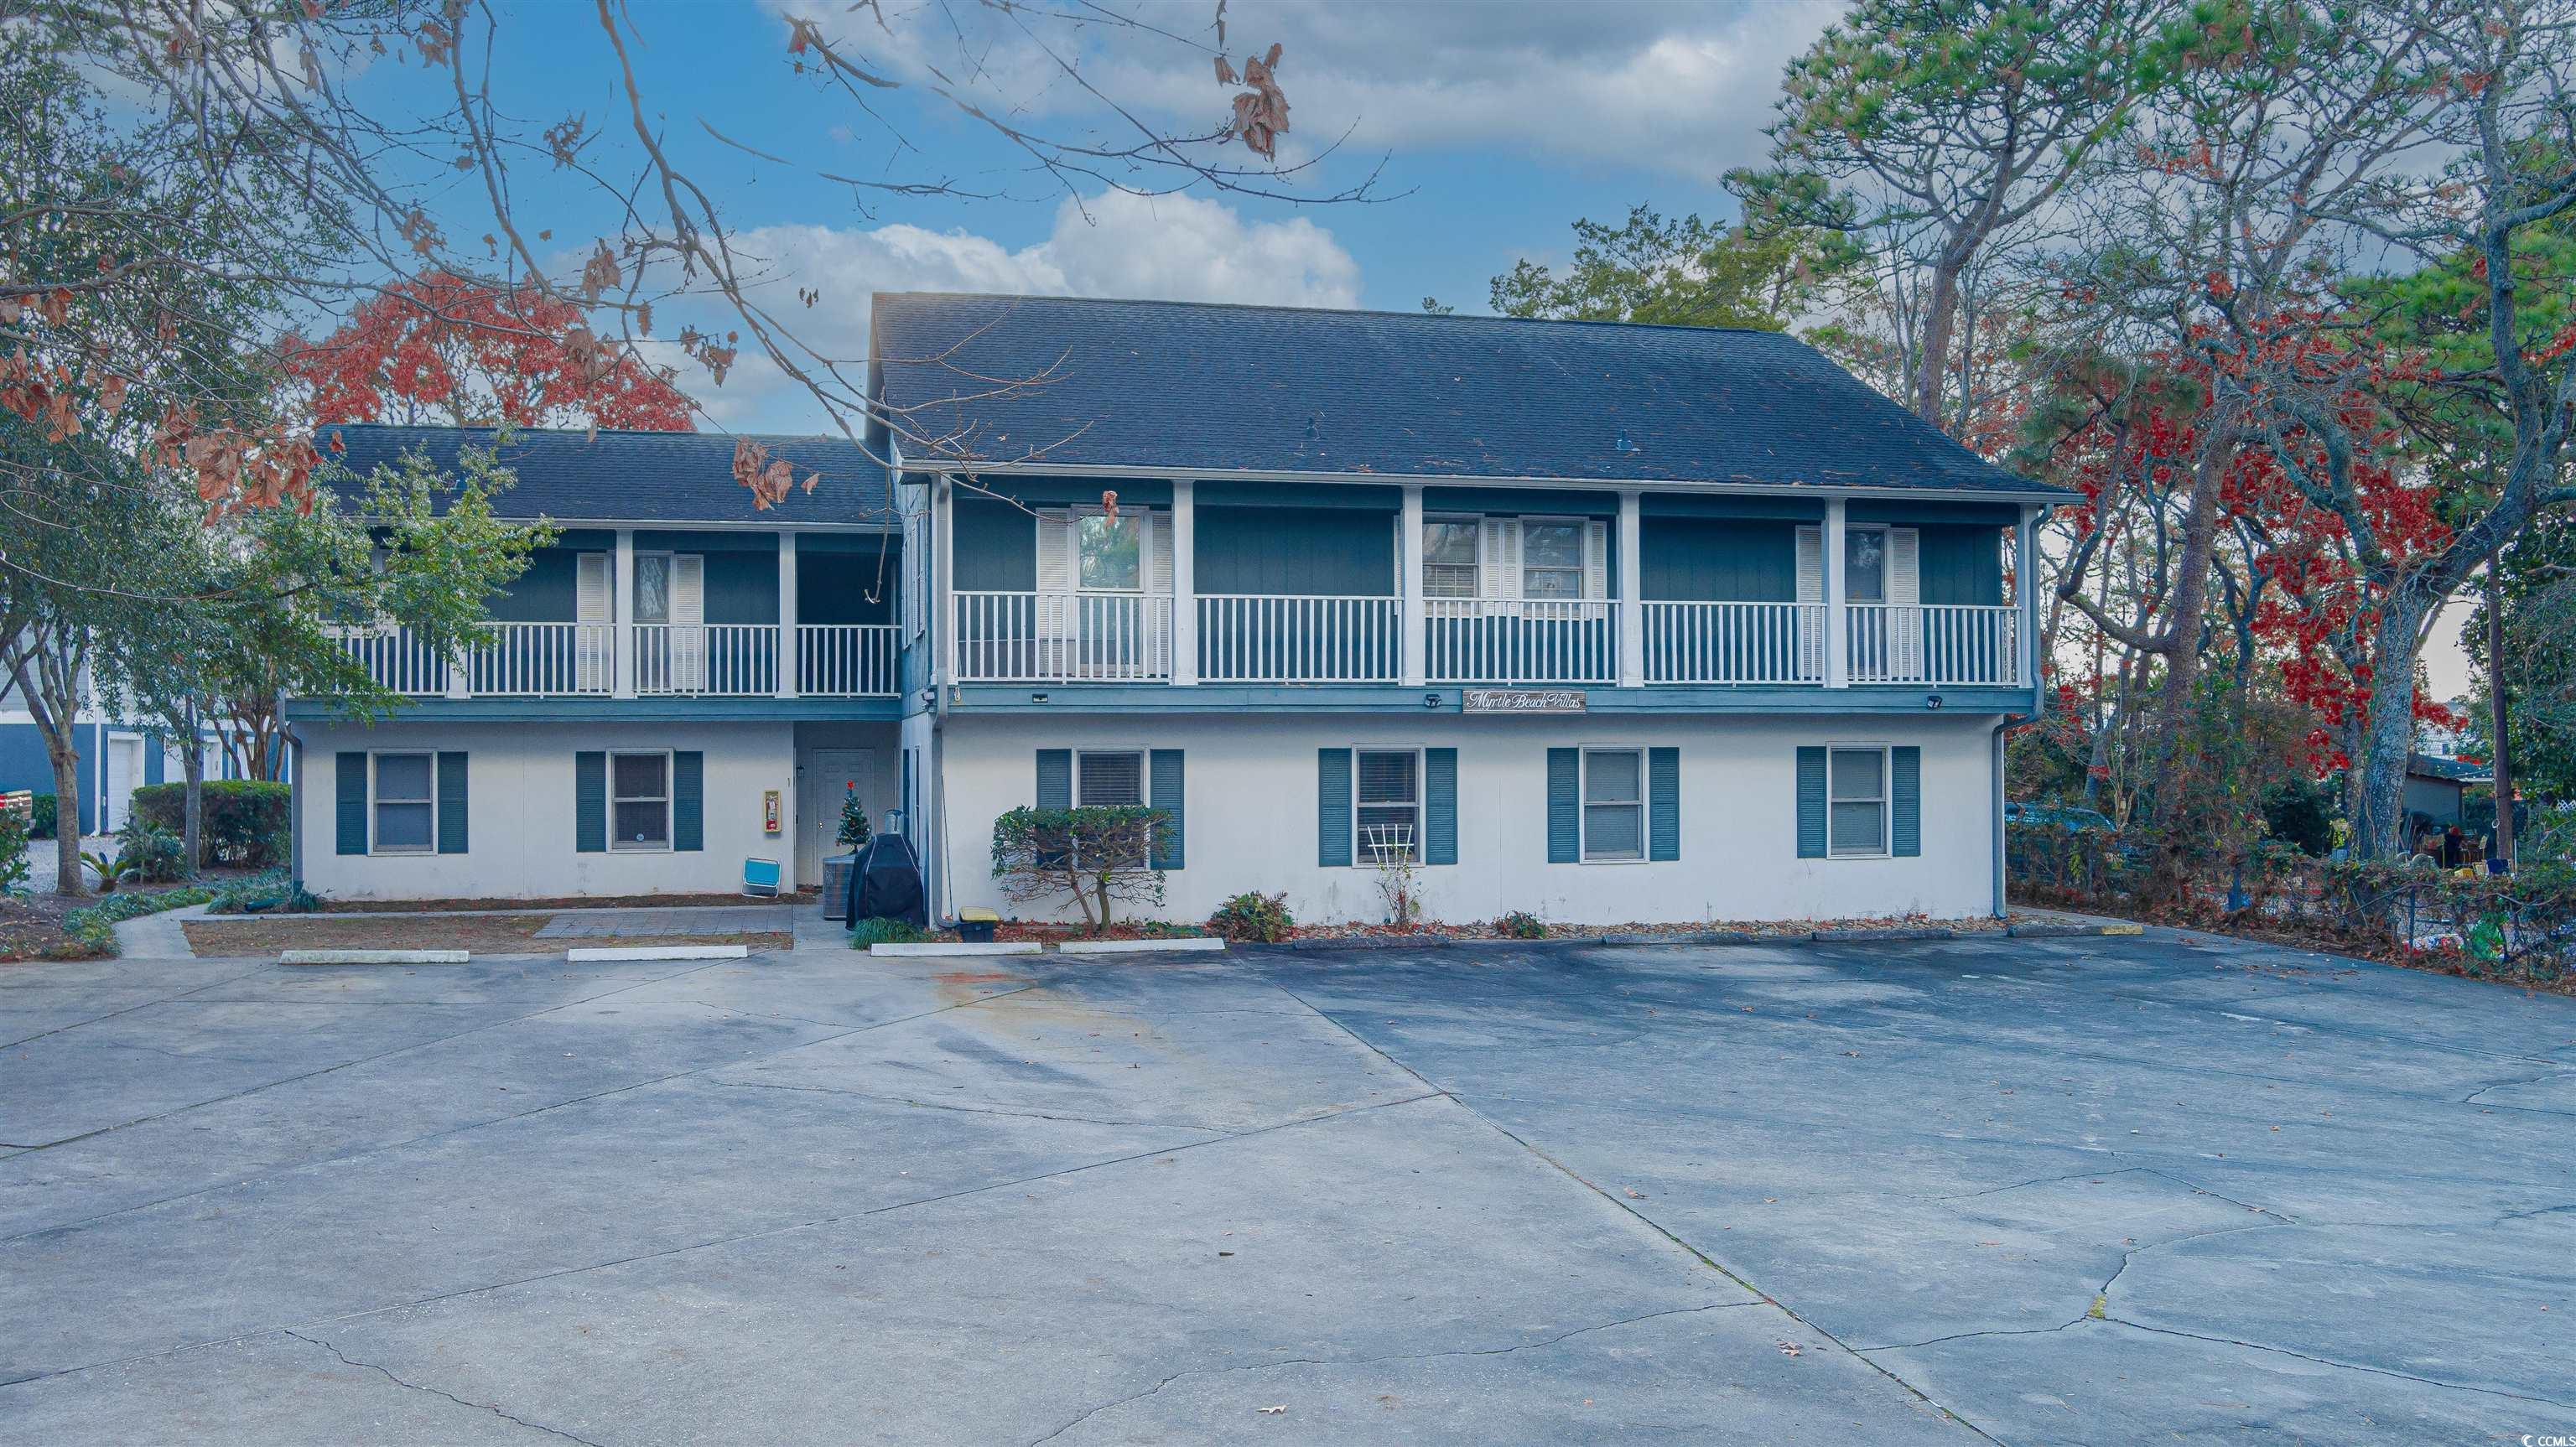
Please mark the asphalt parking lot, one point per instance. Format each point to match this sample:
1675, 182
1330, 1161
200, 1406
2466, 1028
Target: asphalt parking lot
2079, 1191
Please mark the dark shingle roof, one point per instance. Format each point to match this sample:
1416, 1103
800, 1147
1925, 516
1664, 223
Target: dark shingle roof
1254, 388
635, 476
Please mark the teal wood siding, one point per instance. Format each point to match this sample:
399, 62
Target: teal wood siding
451, 803
842, 579
1963, 565
743, 587
1734, 560
1905, 801
1564, 809
996, 548
1523, 501
688, 801
1439, 806
1664, 803
350, 804
1336, 552
1811, 803
544, 593
1332, 807
1166, 793
590, 802
1066, 491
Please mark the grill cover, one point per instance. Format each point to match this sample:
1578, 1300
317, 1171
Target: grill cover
887, 883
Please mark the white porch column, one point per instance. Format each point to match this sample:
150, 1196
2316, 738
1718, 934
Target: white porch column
2026, 592
1632, 594
622, 609
790, 653
1411, 645
1837, 615
938, 608
1185, 582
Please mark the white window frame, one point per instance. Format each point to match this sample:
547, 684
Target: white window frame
402, 851
1421, 800
1142, 519
1474, 523
1583, 804
670, 803
1886, 560
1886, 800
1580, 527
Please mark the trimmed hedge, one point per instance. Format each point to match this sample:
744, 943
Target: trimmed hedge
40, 817
246, 821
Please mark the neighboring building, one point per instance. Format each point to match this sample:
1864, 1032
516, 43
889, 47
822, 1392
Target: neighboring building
116, 757
2436, 786
1603, 622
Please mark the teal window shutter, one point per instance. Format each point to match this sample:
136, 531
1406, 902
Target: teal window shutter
590, 802
1439, 806
1564, 811
1663, 803
352, 813
1165, 782
688, 801
1055, 778
451, 803
1905, 801
1333, 807
1811, 803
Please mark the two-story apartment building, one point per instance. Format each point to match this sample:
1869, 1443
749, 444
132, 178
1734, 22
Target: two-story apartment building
1607, 623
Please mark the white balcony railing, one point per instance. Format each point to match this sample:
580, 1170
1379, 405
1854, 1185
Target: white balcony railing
395, 659
846, 660
1063, 637
1943, 645
1261, 638
725, 659
542, 660
1514, 640
1735, 642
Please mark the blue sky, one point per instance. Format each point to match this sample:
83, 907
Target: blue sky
1493, 125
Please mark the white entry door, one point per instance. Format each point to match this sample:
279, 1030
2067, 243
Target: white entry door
124, 771
827, 775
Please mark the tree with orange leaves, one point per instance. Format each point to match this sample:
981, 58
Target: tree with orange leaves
443, 348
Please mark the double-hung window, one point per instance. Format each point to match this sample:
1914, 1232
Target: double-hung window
1449, 557
1109, 553
1109, 778
404, 803
1552, 560
639, 801
1614, 804
1856, 817
1387, 807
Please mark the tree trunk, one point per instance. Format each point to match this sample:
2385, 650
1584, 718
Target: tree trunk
2503, 769
67, 825
1932, 364
2388, 731
192, 817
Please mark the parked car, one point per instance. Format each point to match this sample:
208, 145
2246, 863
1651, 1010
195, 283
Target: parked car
2079, 821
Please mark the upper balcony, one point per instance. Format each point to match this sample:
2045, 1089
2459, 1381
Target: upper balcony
1240, 584
670, 614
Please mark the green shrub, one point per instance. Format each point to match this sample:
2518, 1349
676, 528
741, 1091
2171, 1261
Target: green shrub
247, 821
1520, 924
270, 891
1253, 918
148, 852
13, 851
93, 928
40, 824
1100, 854
888, 932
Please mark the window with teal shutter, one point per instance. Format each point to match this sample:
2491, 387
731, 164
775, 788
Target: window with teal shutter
350, 798
1333, 808
1811, 803
688, 800
1905, 779
1165, 782
451, 803
1664, 804
590, 802
1564, 806
1055, 779
1440, 806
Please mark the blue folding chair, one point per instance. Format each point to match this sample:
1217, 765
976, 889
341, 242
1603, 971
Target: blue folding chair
760, 877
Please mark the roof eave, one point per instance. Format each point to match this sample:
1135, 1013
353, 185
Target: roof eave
2026, 491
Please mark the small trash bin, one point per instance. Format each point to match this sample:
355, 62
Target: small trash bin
975, 925
837, 871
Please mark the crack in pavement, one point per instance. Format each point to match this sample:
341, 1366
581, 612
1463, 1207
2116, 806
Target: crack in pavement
602, 1093
1339, 1362
966, 1109
345, 1360
2256, 1346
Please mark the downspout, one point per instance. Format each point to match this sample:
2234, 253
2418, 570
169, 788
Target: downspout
295, 811
2003, 726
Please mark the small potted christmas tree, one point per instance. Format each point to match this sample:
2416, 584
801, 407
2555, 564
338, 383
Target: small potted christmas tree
854, 821
839, 871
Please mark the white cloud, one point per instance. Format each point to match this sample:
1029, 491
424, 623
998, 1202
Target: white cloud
1179, 248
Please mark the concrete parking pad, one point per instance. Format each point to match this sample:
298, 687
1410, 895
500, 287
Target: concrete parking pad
2027, 1191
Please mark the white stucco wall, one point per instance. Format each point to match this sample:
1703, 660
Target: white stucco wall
519, 796
1251, 820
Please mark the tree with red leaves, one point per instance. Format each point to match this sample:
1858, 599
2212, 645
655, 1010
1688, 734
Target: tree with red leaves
442, 348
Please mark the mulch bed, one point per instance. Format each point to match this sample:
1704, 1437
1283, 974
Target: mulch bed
495, 934
31, 926
626, 901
